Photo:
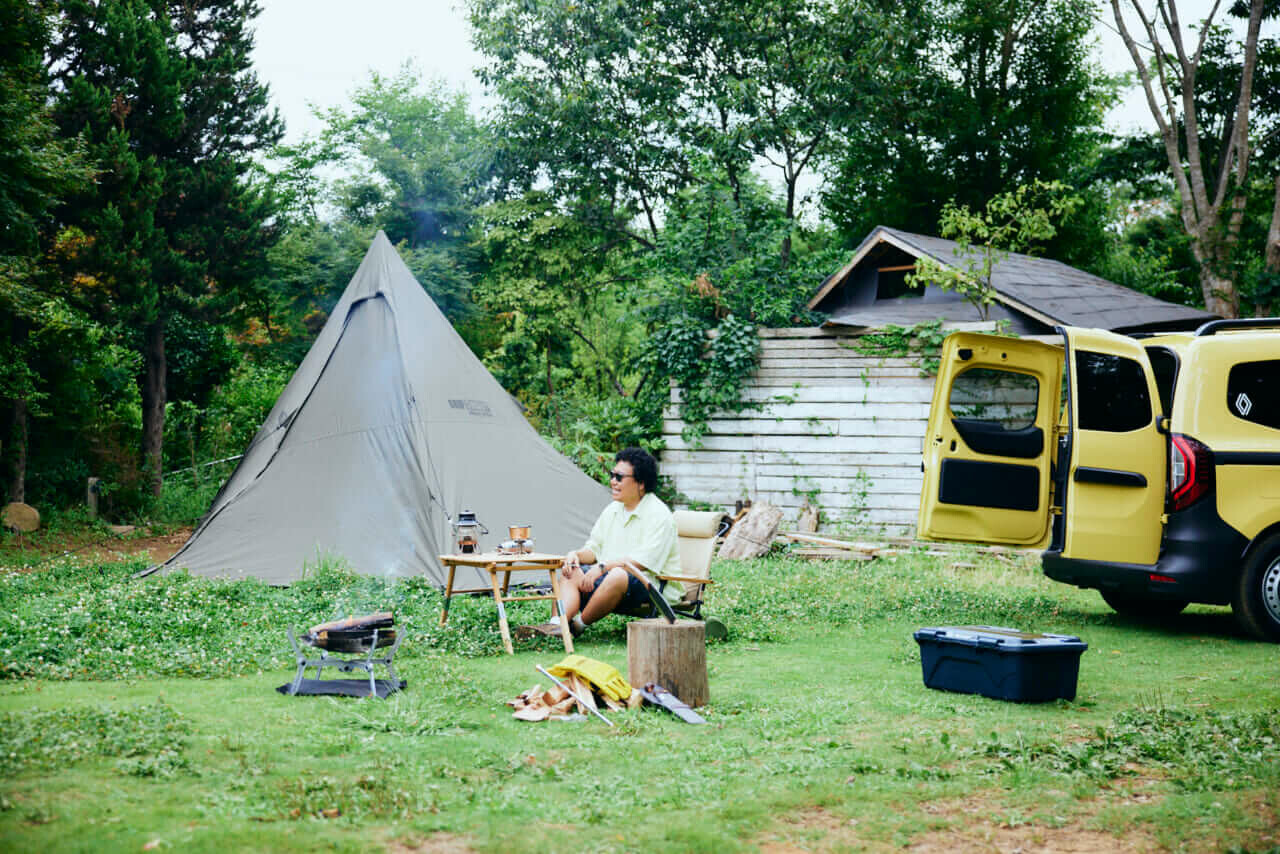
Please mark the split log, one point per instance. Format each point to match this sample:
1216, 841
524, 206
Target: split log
532, 714
674, 655
752, 535
554, 695
582, 692
380, 620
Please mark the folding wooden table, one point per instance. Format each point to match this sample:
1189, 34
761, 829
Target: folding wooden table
505, 564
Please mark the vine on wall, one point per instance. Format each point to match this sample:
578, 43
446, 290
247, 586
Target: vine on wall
709, 374
923, 341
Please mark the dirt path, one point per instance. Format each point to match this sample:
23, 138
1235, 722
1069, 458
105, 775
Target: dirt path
160, 548
96, 545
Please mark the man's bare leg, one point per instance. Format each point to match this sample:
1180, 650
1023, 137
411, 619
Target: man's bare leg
606, 597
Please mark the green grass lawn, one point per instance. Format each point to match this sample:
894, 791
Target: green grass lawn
144, 713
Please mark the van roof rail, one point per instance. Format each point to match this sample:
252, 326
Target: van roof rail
1215, 326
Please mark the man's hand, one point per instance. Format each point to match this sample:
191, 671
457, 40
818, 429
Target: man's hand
571, 564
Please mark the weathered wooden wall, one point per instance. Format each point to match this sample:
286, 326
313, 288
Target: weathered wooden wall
837, 427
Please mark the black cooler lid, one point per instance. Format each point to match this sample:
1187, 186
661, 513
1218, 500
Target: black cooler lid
997, 637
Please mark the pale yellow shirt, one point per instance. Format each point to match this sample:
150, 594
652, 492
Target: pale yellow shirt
646, 535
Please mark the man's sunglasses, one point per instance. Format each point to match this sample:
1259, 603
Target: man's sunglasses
618, 477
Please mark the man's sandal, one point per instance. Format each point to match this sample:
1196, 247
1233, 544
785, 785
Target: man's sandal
550, 630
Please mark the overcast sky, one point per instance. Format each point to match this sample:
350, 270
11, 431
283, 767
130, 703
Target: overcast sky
318, 51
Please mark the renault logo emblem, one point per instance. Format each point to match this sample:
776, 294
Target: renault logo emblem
1243, 404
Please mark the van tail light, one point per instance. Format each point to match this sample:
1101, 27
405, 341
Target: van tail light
1191, 472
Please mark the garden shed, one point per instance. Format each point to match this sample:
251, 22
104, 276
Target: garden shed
842, 428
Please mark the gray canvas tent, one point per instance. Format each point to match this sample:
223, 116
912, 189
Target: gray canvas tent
390, 426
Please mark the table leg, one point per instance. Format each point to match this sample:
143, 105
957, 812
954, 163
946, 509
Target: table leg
502, 609
448, 594
565, 634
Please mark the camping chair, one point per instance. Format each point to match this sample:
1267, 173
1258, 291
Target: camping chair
697, 532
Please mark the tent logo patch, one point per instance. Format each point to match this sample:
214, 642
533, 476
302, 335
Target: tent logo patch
473, 407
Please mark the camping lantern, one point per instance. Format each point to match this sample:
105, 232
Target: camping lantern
468, 530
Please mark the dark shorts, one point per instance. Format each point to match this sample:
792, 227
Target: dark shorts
637, 596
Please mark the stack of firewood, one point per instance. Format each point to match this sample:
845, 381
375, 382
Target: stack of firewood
539, 704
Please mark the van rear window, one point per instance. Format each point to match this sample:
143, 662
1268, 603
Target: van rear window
1253, 392
1112, 392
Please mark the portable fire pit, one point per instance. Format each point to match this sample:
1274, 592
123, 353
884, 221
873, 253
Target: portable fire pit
371, 640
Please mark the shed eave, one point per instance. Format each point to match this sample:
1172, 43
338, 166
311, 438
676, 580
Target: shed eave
877, 236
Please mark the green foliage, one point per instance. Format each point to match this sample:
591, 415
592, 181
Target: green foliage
146, 740
36, 167
1200, 751
239, 407
594, 430
896, 342
617, 104
200, 441
819, 713
415, 164
1017, 221
709, 376
971, 99
73, 621
171, 115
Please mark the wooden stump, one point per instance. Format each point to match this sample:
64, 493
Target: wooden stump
673, 655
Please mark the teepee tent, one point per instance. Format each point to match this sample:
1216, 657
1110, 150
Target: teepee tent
390, 427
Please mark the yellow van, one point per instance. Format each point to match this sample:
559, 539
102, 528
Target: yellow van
1146, 468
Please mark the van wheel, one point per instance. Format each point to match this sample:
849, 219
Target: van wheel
1143, 607
1257, 602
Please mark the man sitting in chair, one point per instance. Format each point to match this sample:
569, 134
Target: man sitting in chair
634, 539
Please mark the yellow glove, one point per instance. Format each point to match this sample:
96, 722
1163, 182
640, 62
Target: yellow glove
604, 677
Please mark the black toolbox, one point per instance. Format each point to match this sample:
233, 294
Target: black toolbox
1004, 664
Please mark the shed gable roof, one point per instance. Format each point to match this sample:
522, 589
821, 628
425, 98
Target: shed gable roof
1046, 290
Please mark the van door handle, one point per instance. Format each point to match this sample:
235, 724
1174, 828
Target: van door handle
1109, 477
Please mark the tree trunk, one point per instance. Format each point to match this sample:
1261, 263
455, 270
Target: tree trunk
1220, 295
791, 219
153, 400
17, 451
1171, 99
1273, 235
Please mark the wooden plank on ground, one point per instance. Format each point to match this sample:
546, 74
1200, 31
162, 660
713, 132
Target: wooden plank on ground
831, 542
830, 554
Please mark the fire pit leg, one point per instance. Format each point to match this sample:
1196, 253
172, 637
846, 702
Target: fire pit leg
373, 647
302, 664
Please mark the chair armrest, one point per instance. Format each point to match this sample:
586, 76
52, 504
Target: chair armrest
686, 579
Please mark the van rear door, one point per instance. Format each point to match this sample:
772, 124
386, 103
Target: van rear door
991, 440
1115, 484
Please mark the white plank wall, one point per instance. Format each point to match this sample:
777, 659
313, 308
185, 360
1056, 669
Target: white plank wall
836, 425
